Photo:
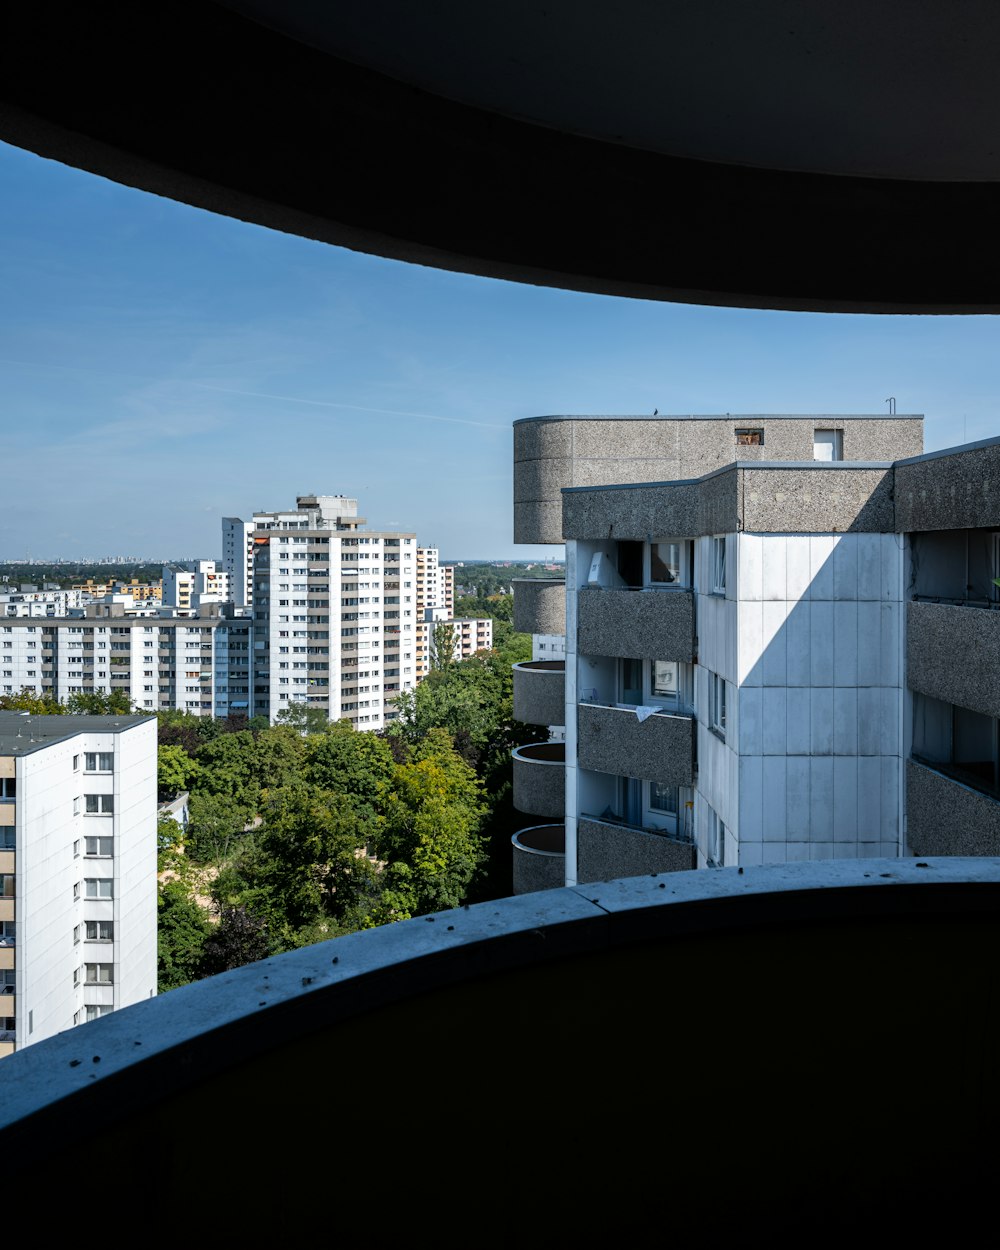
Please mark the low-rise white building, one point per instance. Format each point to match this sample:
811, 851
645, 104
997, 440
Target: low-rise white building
77, 870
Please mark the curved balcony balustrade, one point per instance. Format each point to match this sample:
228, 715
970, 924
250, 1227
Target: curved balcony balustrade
540, 779
856, 975
614, 740
540, 605
636, 624
539, 858
540, 692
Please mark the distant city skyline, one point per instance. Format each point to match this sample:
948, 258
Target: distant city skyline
162, 367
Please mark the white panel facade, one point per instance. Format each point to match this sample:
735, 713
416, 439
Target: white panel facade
819, 699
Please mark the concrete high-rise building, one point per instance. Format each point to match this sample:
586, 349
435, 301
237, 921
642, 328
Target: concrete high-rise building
237, 558
334, 612
77, 870
734, 688
436, 606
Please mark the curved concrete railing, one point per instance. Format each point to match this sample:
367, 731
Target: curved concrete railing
540, 692
540, 779
540, 605
858, 977
539, 858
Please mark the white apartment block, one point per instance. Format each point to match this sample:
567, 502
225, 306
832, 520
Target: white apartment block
436, 605
40, 603
194, 584
237, 558
77, 870
334, 612
197, 664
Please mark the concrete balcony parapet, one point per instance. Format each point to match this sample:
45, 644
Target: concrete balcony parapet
953, 654
540, 779
540, 692
606, 850
539, 605
539, 858
636, 624
614, 740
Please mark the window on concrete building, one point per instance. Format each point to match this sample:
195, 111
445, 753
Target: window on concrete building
99, 974
716, 840
828, 444
717, 704
99, 804
670, 563
719, 565
100, 761
749, 438
99, 930
99, 887
99, 848
8, 789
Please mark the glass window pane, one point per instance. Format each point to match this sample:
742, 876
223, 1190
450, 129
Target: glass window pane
665, 679
663, 798
665, 562
631, 681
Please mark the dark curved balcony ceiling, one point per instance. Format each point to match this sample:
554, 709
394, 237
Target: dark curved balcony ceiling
783, 154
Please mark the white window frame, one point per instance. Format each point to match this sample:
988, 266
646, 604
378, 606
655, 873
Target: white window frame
680, 702
717, 704
684, 563
716, 840
718, 564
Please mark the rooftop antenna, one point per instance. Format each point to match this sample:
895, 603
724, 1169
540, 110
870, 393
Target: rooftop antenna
891, 401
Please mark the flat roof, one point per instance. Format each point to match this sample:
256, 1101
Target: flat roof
731, 416
22, 733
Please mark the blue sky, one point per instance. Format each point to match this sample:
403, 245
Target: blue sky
161, 368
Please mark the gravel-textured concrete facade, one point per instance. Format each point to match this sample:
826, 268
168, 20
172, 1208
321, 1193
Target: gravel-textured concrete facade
799, 498
943, 817
540, 692
606, 852
540, 605
632, 512
636, 624
950, 489
953, 653
540, 779
536, 866
817, 500
614, 740
551, 453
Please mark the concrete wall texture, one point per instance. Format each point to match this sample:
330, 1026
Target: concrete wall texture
540, 605
540, 692
636, 624
953, 654
608, 851
555, 452
614, 740
943, 817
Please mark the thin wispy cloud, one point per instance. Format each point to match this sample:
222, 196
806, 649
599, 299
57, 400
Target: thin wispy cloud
230, 390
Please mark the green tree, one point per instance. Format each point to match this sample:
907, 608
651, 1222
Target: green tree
431, 836
175, 770
216, 826
28, 701
99, 703
182, 930
303, 718
307, 872
444, 638
239, 938
356, 764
